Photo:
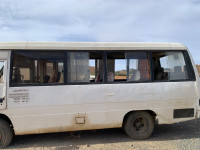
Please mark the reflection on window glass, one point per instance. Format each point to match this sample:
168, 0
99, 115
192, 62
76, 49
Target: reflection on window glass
85, 67
78, 69
38, 67
1, 70
169, 66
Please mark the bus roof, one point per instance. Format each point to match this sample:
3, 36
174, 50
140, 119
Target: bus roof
90, 46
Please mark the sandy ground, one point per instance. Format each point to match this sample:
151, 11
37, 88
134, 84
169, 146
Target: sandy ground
185, 135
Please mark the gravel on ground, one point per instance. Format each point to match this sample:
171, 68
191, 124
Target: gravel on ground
179, 136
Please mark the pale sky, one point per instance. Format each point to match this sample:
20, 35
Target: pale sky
102, 21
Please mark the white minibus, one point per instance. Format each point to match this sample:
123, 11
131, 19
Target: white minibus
69, 86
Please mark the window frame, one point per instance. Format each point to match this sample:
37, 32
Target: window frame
66, 52
188, 63
189, 66
136, 51
36, 84
85, 83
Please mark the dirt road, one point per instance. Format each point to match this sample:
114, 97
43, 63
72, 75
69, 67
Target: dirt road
177, 136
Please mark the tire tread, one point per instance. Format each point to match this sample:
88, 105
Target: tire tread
6, 133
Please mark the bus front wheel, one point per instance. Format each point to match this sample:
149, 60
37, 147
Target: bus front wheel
6, 133
139, 125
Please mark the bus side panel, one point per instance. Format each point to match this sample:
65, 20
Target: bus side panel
44, 109
197, 84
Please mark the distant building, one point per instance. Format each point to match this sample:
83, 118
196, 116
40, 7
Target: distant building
198, 68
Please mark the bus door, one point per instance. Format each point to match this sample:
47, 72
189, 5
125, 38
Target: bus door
3, 74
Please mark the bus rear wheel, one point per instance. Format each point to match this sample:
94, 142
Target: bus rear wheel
139, 125
6, 133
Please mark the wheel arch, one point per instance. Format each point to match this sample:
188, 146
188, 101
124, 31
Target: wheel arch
152, 113
6, 118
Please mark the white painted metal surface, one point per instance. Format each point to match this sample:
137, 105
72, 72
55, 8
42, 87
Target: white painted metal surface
41, 109
91, 46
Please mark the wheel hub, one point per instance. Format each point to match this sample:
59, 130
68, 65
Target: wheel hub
139, 124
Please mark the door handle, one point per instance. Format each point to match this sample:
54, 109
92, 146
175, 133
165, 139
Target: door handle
110, 94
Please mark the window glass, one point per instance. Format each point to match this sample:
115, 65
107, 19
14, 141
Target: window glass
85, 67
1, 71
138, 66
129, 66
116, 66
169, 66
38, 67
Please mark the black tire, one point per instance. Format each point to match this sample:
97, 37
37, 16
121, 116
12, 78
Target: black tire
139, 125
6, 133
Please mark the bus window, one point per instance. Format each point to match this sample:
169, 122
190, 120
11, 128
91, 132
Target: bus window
169, 66
129, 66
96, 67
37, 67
116, 67
137, 66
85, 67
